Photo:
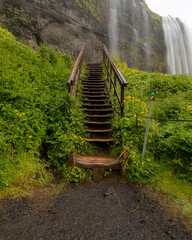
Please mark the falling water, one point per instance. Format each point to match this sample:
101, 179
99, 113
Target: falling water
113, 31
147, 33
178, 40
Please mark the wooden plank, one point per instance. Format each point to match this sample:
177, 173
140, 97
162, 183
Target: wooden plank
98, 110
98, 100
97, 162
96, 105
99, 131
99, 116
102, 140
97, 123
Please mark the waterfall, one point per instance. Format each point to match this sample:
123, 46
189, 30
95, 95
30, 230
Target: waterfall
147, 34
113, 30
178, 40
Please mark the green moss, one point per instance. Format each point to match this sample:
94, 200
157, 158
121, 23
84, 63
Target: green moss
92, 7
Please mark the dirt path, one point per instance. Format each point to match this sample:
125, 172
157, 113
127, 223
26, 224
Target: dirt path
82, 212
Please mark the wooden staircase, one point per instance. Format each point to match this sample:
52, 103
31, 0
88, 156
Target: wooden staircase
96, 101
98, 114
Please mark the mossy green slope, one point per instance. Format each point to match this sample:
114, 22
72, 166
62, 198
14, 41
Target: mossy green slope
31, 82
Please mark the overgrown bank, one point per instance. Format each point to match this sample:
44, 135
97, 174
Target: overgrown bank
32, 83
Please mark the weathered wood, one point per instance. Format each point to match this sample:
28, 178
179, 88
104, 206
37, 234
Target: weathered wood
98, 110
96, 175
97, 123
99, 131
97, 162
75, 73
97, 105
114, 75
95, 100
102, 140
99, 116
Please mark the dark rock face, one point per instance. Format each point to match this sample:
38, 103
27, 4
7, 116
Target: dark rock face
66, 25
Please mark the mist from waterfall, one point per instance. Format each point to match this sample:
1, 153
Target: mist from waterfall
113, 29
178, 40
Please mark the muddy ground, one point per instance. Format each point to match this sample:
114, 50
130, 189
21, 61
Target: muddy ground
84, 212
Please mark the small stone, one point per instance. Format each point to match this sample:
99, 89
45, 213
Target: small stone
110, 191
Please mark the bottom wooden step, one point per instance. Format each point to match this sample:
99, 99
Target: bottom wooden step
97, 162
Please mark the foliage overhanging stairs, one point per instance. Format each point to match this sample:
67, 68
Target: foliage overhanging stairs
98, 102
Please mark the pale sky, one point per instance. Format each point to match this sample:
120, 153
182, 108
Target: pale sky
175, 8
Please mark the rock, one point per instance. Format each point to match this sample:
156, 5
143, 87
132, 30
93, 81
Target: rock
66, 25
111, 191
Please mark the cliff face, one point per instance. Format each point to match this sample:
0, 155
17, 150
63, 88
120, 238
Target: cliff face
66, 25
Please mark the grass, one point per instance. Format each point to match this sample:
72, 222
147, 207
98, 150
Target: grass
24, 172
172, 193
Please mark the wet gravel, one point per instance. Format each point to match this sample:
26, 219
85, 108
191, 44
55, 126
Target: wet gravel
108, 210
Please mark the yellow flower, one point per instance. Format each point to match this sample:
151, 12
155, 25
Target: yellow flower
23, 114
15, 110
20, 114
30, 136
142, 163
149, 159
131, 141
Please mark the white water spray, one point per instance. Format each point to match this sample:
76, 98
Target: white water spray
113, 30
178, 40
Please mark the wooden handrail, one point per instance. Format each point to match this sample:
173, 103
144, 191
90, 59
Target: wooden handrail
75, 73
114, 74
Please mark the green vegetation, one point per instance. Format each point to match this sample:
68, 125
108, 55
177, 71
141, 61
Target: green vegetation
169, 142
91, 6
32, 83
167, 166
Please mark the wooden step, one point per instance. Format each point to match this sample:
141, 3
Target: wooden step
88, 92
94, 86
95, 101
94, 96
99, 130
95, 83
94, 90
92, 82
97, 162
99, 116
102, 139
97, 123
97, 105
98, 110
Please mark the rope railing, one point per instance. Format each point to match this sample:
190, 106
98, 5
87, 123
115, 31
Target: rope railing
32, 118
160, 119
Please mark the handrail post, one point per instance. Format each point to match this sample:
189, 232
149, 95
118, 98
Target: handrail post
111, 74
115, 83
122, 99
